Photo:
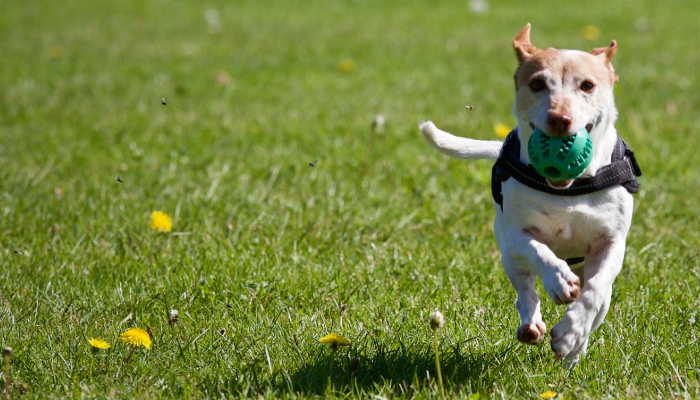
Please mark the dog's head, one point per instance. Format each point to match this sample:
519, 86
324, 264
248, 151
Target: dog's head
562, 91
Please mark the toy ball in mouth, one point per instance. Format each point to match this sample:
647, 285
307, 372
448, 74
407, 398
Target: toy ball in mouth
560, 158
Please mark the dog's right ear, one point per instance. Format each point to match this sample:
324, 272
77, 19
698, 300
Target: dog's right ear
521, 44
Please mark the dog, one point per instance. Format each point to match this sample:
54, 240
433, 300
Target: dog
538, 228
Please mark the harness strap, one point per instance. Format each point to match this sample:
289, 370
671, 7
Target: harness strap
623, 170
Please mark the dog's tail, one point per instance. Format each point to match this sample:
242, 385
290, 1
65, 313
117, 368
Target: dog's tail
458, 146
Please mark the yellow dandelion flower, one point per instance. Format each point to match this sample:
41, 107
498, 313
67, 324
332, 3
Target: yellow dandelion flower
334, 340
347, 66
56, 52
590, 32
136, 337
502, 130
161, 221
98, 343
548, 394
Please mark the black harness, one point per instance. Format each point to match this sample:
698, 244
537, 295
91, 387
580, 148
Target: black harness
623, 170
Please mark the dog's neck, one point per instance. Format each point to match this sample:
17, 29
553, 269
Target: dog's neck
603, 135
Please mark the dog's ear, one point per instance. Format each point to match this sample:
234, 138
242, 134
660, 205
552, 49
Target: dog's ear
521, 44
608, 53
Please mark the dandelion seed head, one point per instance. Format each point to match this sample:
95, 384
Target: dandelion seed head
211, 16
437, 320
641, 24
174, 316
479, 6
379, 121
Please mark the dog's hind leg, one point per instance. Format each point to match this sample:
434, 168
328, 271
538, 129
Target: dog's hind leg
570, 335
573, 358
532, 328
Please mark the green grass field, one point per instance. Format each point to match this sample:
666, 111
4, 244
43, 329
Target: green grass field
265, 249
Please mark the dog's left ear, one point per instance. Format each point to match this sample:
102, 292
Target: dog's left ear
608, 53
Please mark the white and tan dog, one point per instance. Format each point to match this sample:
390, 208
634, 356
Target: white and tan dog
559, 92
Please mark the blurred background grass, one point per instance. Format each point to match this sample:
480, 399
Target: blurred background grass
268, 247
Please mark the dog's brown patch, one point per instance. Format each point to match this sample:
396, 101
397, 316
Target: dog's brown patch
531, 333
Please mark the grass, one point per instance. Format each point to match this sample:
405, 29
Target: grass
266, 249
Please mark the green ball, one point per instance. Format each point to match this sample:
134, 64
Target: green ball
560, 158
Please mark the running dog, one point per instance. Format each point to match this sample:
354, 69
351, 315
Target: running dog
569, 233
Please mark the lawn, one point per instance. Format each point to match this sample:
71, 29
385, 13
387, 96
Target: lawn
250, 123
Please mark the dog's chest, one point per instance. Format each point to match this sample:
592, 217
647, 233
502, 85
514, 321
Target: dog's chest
568, 231
569, 226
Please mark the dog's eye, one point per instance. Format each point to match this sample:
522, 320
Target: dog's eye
587, 86
537, 85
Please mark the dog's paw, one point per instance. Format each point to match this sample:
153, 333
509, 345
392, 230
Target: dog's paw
570, 337
572, 359
563, 286
531, 333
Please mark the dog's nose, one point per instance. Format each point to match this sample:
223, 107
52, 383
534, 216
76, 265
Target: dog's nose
559, 123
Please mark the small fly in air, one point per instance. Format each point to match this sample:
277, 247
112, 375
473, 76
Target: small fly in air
313, 164
119, 179
471, 108
163, 100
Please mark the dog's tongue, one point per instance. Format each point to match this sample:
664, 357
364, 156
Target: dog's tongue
560, 184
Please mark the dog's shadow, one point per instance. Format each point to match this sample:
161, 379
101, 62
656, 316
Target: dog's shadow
400, 369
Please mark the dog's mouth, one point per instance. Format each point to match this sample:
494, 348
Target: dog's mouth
589, 127
559, 185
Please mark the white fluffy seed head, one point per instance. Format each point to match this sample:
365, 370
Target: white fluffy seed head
437, 320
174, 316
379, 120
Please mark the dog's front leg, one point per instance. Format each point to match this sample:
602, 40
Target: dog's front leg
570, 335
561, 284
532, 328
523, 259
